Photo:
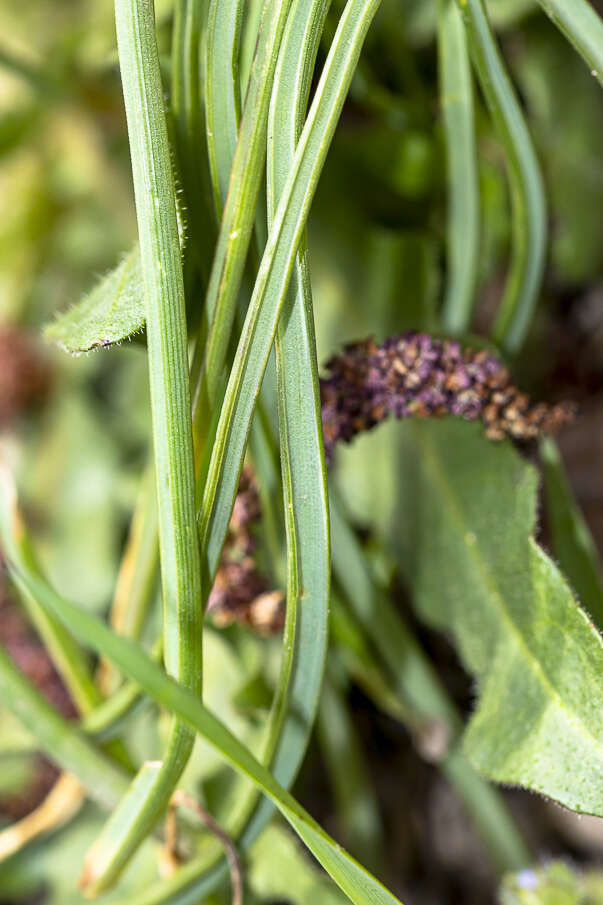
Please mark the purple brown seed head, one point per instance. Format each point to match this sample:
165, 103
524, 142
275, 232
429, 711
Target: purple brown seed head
240, 591
24, 373
415, 374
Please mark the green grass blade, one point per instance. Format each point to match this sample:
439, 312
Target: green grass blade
360, 886
304, 645
583, 28
222, 95
456, 100
245, 180
171, 409
60, 740
527, 192
249, 38
273, 277
166, 333
302, 454
189, 130
71, 664
115, 836
573, 544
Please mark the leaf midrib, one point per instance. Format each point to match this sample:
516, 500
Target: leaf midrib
431, 463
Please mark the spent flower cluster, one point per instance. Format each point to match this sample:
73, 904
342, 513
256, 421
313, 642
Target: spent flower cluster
415, 374
240, 591
409, 374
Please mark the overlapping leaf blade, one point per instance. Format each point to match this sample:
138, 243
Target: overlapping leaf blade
359, 885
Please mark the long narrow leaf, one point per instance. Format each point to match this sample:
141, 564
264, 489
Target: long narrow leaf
582, 27
223, 103
360, 886
61, 740
527, 193
273, 277
171, 408
239, 209
456, 99
304, 644
302, 454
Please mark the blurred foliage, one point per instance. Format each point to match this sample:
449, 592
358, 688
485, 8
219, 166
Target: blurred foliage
554, 884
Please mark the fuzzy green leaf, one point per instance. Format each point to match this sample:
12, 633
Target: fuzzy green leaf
477, 572
113, 311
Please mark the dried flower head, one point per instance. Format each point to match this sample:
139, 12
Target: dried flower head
240, 591
24, 373
417, 374
412, 374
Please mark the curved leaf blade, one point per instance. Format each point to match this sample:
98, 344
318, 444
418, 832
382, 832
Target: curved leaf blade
527, 192
359, 885
582, 27
300, 424
456, 100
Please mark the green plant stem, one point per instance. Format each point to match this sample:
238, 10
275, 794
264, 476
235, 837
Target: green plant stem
305, 639
456, 101
187, 106
583, 28
527, 193
186, 885
171, 410
300, 426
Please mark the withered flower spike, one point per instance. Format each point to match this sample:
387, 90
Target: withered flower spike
415, 374
411, 374
240, 592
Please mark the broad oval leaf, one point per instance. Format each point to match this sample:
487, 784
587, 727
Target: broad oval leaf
476, 571
113, 311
